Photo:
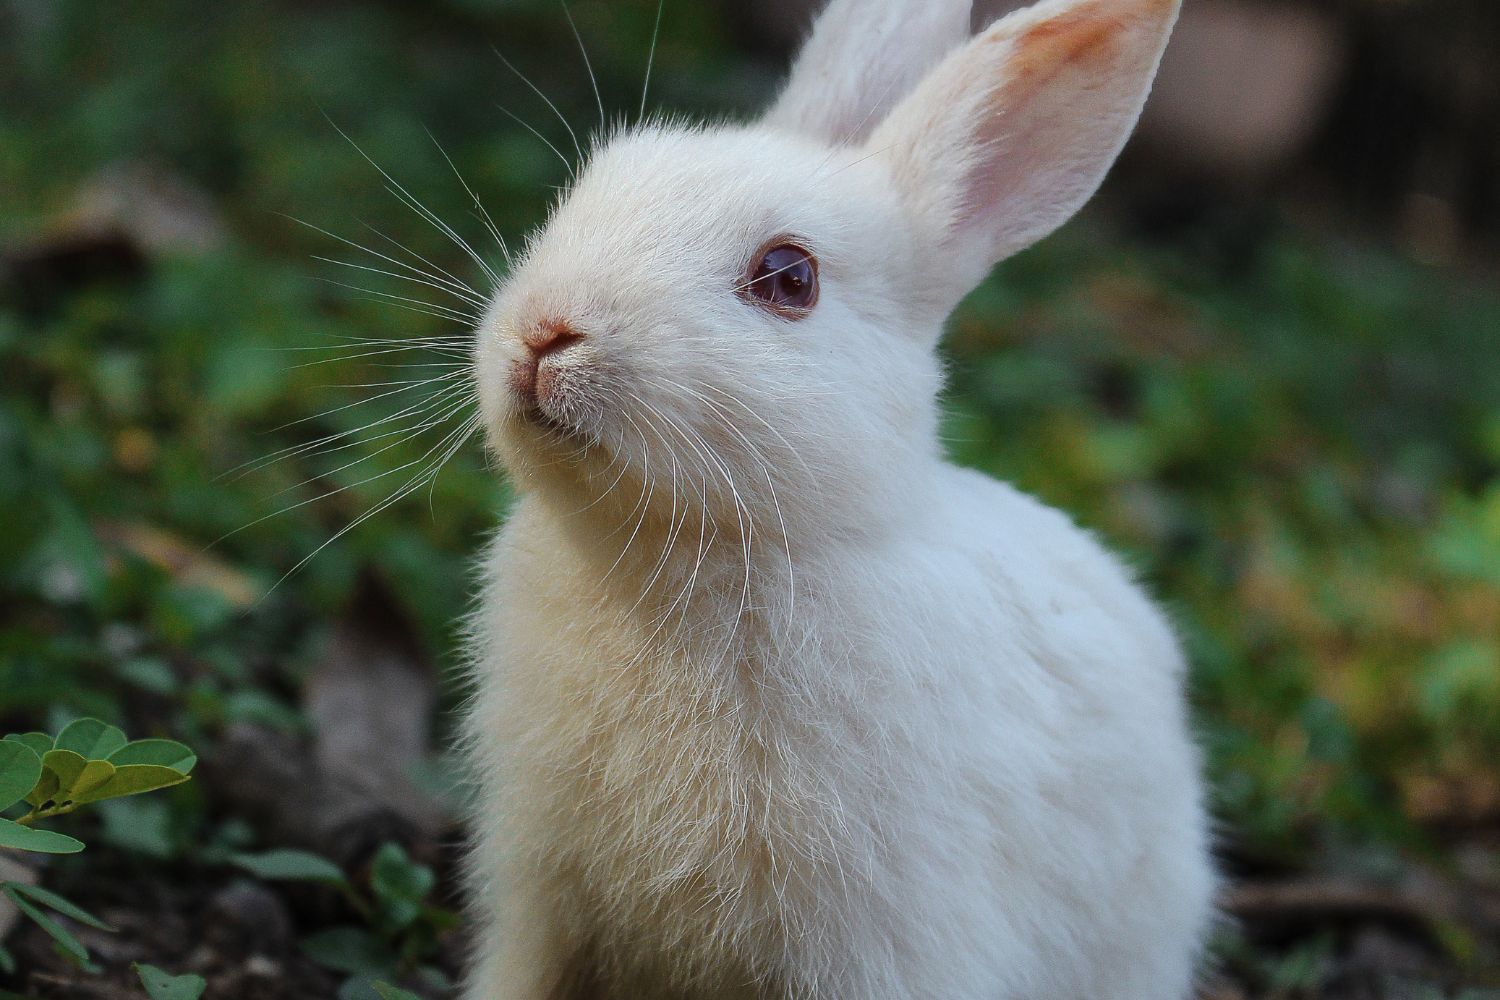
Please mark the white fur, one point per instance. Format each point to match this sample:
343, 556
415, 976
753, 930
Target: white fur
770, 700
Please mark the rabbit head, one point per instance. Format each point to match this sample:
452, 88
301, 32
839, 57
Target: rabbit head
742, 319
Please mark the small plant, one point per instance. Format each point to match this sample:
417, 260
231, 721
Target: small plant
399, 929
162, 985
89, 761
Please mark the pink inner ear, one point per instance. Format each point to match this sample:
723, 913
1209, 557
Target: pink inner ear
1059, 105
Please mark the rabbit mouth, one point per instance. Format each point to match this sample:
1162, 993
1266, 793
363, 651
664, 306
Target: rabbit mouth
544, 421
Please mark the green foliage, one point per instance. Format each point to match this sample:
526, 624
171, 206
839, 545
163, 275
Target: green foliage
20, 770
400, 926
24, 838
388, 992
401, 887
165, 986
35, 904
88, 762
290, 865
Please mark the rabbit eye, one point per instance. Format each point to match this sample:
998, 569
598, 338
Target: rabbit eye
784, 279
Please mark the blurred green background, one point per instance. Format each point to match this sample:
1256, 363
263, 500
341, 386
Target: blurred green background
1274, 386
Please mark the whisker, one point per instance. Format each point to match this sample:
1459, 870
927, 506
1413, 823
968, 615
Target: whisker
415, 205
453, 410
338, 409
651, 57
457, 281
537, 90
426, 213
448, 280
459, 437
583, 50
489, 223
356, 435
648, 493
440, 311
292, 449
458, 357
478, 303
567, 164
324, 496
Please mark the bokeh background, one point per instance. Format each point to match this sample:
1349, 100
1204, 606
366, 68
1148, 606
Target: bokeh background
1264, 364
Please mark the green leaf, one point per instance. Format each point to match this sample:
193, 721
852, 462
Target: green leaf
45, 788
53, 901
20, 770
76, 774
395, 875
290, 866
389, 992
132, 779
256, 706
40, 743
162, 985
69, 944
150, 674
357, 988
400, 884
24, 838
352, 950
91, 739
162, 753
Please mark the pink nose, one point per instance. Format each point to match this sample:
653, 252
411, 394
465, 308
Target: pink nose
547, 338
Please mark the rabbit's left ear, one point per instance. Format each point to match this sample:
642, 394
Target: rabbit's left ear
1008, 137
862, 58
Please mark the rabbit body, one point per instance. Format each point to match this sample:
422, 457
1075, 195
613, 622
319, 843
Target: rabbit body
770, 700
960, 770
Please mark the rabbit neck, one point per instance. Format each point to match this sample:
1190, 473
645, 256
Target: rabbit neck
684, 560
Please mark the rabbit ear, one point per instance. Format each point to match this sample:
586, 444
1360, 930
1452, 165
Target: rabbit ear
1008, 137
863, 57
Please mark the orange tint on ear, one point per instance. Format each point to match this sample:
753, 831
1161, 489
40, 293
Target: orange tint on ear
1089, 33
1010, 135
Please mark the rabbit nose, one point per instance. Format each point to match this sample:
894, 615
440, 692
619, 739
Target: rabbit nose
544, 340
549, 337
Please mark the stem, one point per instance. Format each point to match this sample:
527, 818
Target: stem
363, 908
37, 814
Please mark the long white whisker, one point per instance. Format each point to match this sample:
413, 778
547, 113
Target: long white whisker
353, 437
423, 211
648, 491
756, 456
583, 50
307, 446
441, 311
651, 56
567, 164
479, 303
537, 90
458, 437
447, 274
452, 283
489, 223
453, 410
325, 496
415, 205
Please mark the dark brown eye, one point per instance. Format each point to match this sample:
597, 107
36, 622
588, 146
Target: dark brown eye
785, 278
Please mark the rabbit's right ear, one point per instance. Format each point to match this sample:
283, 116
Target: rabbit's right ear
862, 58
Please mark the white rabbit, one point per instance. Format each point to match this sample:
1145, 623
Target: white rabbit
771, 701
